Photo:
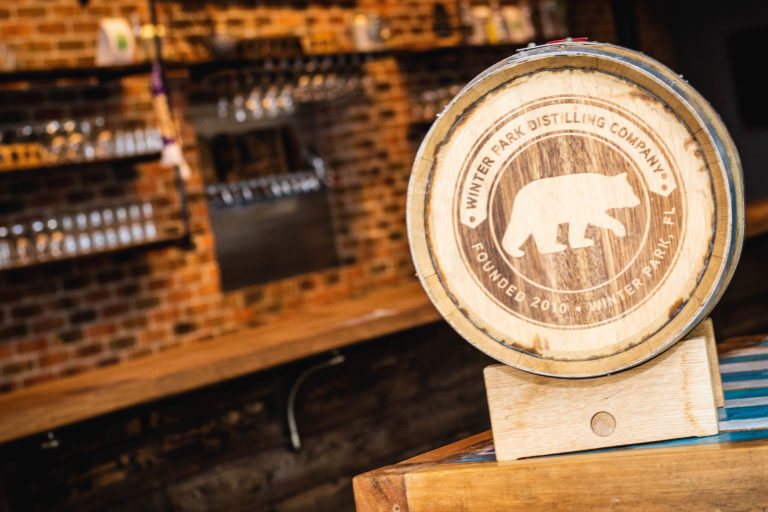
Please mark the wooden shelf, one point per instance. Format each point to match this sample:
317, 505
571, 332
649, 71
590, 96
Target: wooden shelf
174, 235
306, 332
107, 73
200, 68
80, 164
101, 73
197, 69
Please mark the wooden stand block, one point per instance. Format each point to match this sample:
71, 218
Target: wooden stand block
569, 237
669, 397
707, 330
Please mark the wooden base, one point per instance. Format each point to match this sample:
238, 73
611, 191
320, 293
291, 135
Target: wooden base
724, 472
673, 395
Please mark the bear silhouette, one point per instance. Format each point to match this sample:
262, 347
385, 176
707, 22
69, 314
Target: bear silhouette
576, 199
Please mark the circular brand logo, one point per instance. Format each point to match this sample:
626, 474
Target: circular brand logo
569, 211
570, 215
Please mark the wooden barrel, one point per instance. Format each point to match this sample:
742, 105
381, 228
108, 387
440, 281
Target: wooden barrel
576, 209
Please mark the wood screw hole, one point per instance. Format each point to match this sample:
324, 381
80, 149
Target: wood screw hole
603, 424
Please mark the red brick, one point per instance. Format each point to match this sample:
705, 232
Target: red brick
52, 28
99, 295
36, 345
6, 350
152, 336
26, 311
66, 10
122, 343
31, 12
243, 315
190, 277
100, 10
164, 315
148, 302
209, 289
85, 26
135, 323
140, 353
115, 310
39, 379
8, 332
101, 330
47, 324
16, 368
16, 29
70, 45
147, 188
75, 369
159, 284
52, 358
38, 46
90, 350
108, 361
179, 296
197, 309
55, 63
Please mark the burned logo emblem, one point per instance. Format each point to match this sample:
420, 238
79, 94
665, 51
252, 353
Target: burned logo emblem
568, 212
570, 220
582, 200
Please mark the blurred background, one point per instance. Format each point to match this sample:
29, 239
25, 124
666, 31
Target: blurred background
207, 301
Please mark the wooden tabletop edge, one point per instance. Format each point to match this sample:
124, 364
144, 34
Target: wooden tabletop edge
56, 403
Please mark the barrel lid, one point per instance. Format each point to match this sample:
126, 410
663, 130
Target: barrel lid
576, 209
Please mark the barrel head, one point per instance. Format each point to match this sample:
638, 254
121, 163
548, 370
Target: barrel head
576, 210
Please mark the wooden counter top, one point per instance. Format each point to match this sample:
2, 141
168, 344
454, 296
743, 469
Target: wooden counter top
726, 471
309, 331
756, 217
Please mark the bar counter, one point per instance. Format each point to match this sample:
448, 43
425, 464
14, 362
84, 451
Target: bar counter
305, 332
721, 472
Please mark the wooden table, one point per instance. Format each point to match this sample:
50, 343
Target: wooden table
728, 471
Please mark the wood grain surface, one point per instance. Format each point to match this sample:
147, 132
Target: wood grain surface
666, 398
724, 472
725, 477
576, 210
706, 329
306, 332
698, 478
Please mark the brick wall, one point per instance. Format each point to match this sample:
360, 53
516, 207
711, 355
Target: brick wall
63, 318
58, 33
193, 23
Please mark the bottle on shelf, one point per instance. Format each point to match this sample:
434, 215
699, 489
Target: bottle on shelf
5, 247
57, 236
497, 30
